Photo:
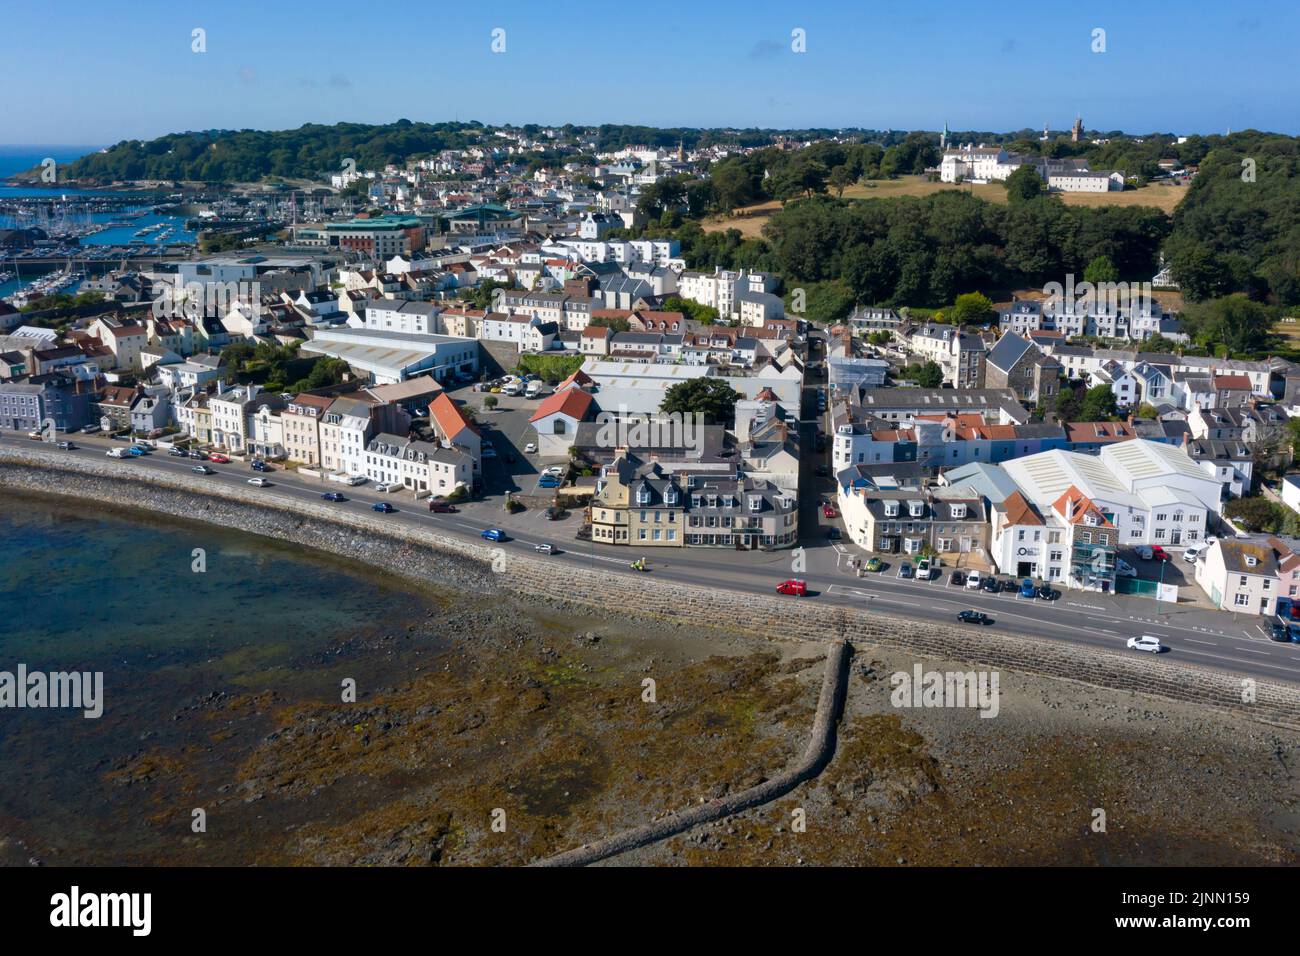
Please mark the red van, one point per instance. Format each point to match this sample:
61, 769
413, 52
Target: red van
793, 586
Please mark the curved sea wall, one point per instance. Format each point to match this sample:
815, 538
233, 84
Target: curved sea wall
425, 555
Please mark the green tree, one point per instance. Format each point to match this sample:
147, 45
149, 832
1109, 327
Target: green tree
973, 308
1024, 184
711, 397
1099, 270
1098, 404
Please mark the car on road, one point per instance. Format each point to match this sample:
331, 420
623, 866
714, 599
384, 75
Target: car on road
334, 496
259, 465
1027, 589
905, 571
957, 579
493, 534
202, 470
793, 586
544, 548
1124, 569
219, 458
1045, 593
1145, 643
874, 564
258, 482
974, 617
973, 580
441, 507
828, 510
67, 446
530, 448
135, 451
383, 507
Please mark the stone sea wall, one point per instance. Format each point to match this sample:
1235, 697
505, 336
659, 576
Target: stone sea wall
426, 555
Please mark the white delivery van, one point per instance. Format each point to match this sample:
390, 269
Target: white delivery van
533, 390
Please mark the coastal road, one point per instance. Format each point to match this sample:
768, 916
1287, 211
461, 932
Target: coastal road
1195, 635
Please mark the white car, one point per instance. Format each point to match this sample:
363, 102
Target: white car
543, 548
381, 487
1145, 643
1194, 552
530, 448
258, 482
556, 470
973, 579
1124, 569
1144, 552
1208, 543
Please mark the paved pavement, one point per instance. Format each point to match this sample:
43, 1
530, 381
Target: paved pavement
1195, 635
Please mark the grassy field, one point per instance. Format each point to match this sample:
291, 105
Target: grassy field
751, 219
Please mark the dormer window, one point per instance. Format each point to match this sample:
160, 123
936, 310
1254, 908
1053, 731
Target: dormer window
1251, 561
958, 511
916, 509
670, 495
755, 503
891, 509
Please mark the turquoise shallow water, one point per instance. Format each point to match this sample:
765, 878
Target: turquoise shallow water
116, 594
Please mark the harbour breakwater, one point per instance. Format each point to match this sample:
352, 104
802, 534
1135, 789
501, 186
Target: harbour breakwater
425, 555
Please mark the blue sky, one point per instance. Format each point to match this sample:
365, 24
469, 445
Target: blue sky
82, 71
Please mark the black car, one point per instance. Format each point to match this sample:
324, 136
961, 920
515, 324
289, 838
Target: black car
1279, 632
833, 534
1045, 593
259, 465
991, 585
199, 455
974, 617
178, 453
554, 514
957, 579
333, 496
823, 471
1009, 585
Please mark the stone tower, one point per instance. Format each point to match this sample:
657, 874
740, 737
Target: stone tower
1076, 131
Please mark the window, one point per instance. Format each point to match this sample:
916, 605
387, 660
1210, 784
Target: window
1241, 599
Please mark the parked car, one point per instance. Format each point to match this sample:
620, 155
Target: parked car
334, 496
874, 564
822, 471
493, 534
828, 510
1124, 569
833, 534
923, 569
202, 470
957, 579
973, 580
793, 586
90, 429
530, 448
974, 617
544, 548
382, 487
383, 507
1045, 593
178, 453
990, 585
554, 514
1158, 553
489, 451
1193, 553
259, 465
219, 458
556, 471
441, 507
199, 455
1027, 589
1146, 642
1009, 585
905, 570
1279, 632
258, 482
547, 481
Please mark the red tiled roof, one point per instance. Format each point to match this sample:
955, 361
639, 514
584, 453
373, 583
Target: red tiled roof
1236, 382
571, 402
